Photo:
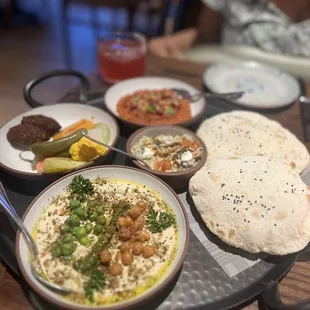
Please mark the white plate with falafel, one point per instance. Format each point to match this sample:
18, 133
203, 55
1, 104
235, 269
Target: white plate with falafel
47, 142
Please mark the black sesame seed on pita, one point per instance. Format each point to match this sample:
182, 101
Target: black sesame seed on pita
261, 216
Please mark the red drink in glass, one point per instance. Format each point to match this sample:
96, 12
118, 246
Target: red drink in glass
121, 56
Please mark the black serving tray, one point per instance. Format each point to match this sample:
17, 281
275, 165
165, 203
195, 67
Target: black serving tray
201, 284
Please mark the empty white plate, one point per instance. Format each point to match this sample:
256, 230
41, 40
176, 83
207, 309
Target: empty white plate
121, 89
265, 87
65, 114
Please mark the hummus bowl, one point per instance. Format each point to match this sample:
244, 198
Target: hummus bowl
114, 235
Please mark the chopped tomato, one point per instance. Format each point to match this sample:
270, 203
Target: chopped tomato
190, 144
163, 165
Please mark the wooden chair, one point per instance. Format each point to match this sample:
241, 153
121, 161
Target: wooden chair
152, 7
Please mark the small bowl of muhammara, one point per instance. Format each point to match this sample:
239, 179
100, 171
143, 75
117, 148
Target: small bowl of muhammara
172, 153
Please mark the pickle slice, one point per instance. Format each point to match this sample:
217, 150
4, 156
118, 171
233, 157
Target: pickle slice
59, 164
105, 132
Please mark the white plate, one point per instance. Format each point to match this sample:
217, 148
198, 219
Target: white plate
112, 172
65, 114
121, 89
266, 87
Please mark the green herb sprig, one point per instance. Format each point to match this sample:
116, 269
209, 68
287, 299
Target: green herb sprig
157, 222
80, 188
96, 282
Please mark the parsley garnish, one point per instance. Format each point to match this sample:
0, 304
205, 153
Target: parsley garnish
96, 282
80, 188
159, 221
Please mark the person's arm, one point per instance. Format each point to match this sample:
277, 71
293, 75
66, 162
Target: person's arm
176, 45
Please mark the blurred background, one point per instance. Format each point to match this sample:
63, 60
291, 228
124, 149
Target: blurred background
40, 35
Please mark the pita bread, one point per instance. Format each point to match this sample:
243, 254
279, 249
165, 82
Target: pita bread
253, 203
249, 133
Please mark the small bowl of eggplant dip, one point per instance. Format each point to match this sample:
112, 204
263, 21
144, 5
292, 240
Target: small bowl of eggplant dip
173, 153
113, 235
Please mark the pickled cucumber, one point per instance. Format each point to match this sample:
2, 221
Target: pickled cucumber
59, 164
105, 132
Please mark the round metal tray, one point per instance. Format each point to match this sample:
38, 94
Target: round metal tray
201, 284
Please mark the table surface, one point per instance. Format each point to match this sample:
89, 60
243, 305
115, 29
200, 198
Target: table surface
294, 288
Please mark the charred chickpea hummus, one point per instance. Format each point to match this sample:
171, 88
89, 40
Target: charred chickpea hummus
107, 240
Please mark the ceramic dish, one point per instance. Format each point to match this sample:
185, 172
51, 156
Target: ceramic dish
177, 180
65, 114
265, 87
119, 90
117, 173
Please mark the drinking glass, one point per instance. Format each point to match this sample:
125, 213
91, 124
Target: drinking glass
121, 56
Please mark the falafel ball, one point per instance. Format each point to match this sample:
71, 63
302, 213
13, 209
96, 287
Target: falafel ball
46, 123
23, 135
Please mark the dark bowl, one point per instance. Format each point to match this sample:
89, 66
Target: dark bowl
177, 180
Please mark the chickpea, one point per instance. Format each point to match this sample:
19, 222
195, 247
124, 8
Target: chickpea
137, 248
143, 236
116, 269
141, 205
105, 257
128, 221
148, 251
127, 258
134, 227
126, 246
121, 222
134, 212
124, 233
140, 222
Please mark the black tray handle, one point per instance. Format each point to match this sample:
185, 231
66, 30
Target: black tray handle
272, 300
84, 89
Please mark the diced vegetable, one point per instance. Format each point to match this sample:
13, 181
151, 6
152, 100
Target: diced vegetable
151, 109
60, 164
83, 123
170, 111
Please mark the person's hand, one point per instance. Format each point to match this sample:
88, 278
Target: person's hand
175, 45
